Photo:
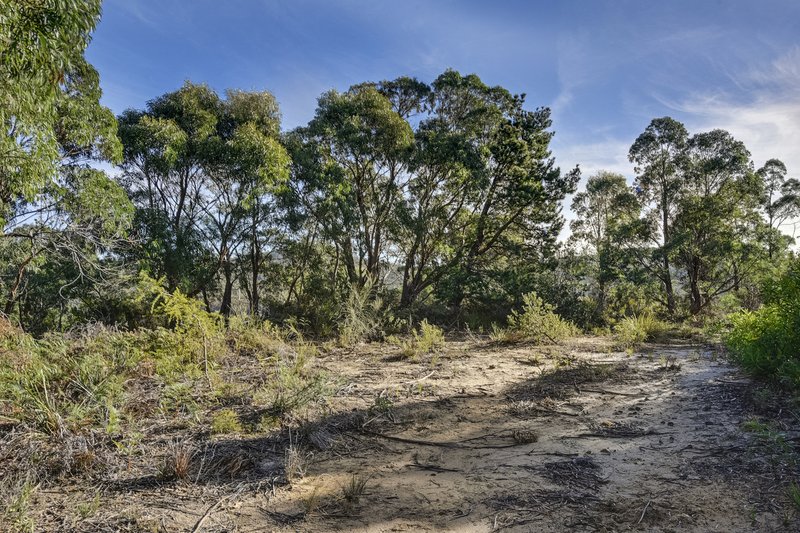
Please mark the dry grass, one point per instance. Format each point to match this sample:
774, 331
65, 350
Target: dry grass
178, 462
295, 462
354, 490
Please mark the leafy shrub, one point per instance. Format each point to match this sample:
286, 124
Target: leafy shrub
294, 382
634, 330
537, 322
429, 339
767, 341
250, 336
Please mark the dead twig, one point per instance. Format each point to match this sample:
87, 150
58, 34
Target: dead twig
210, 510
643, 512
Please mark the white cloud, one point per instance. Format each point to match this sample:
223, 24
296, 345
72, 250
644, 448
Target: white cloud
609, 154
766, 118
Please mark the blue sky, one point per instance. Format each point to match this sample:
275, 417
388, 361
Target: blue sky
606, 68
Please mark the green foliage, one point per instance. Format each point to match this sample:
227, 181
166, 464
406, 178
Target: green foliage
66, 384
536, 322
15, 513
225, 421
363, 316
196, 339
634, 330
767, 341
429, 339
41, 54
294, 384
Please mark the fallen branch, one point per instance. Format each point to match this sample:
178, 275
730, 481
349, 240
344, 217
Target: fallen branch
605, 391
208, 512
445, 444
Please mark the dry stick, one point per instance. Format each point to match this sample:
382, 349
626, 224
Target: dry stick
205, 355
615, 435
199, 523
604, 391
419, 379
440, 444
643, 512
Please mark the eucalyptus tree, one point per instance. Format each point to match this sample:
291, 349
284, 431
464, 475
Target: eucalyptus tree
657, 155
484, 188
362, 146
201, 171
444, 182
716, 215
780, 201
603, 214
41, 45
58, 213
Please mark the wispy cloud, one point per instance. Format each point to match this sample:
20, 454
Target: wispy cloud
766, 116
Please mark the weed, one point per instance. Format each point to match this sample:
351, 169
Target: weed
754, 425
429, 339
178, 462
794, 495
89, 508
225, 421
362, 316
311, 502
354, 490
668, 363
382, 405
17, 512
634, 330
295, 462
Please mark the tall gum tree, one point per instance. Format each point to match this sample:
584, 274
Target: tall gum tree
716, 213
656, 154
602, 213
201, 170
780, 200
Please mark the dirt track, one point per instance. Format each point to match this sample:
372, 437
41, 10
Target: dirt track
650, 442
569, 438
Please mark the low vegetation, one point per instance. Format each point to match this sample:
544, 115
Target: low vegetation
428, 339
536, 322
156, 317
634, 330
767, 341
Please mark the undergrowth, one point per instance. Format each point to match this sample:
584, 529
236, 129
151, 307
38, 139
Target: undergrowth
536, 322
429, 339
634, 330
766, 342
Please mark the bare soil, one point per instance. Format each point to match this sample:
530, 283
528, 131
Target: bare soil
483, 437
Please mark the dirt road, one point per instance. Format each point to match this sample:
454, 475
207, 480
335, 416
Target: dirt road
569, 438
576, 437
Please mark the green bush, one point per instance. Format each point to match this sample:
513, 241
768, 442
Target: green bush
535, 322
363, 316
767, 341
65, 382
634, 330
429, 339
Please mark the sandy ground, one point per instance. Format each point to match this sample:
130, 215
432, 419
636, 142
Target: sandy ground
577, 437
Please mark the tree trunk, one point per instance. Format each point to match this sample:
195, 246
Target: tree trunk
694, 286
227, 294
255, 265
667, 274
